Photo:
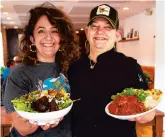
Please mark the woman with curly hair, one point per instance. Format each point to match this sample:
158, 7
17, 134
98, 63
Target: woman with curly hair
48, 46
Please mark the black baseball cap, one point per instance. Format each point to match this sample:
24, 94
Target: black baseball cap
107, 12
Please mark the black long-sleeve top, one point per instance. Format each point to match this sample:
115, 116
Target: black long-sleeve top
112, 73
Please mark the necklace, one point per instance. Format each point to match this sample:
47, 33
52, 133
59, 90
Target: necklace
92, 64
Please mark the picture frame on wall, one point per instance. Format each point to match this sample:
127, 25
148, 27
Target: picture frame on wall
128, 36
131, 33
136, 34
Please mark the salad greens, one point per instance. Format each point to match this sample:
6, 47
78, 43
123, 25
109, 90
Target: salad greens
140, 93
24, 102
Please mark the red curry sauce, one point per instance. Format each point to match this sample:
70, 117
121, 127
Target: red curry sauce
126, 105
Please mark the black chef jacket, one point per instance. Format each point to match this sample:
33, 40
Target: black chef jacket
112, 73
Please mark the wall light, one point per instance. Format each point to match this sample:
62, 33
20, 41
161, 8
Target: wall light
5, 13
12, 22
16, 27
9, 18
125, 8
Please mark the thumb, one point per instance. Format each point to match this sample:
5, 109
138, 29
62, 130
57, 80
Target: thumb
34, 126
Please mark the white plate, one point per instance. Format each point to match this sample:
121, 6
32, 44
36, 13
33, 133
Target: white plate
43, 118
126, 117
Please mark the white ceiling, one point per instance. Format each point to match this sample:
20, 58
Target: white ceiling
78, 10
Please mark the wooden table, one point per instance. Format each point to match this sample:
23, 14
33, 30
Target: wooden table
158, 124
6, 122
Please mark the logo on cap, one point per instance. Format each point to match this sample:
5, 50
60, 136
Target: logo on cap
103, 10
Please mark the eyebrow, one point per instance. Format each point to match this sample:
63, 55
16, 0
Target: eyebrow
41, 27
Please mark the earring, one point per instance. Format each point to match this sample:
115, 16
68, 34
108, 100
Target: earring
86, 43
87, 46
33, 48
62, 51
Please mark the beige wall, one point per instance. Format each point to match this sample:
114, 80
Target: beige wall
144, 49
4, 40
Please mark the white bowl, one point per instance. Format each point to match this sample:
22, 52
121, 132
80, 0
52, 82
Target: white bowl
126, 117
44, 118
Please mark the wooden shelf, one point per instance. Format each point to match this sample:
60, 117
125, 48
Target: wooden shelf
133, 39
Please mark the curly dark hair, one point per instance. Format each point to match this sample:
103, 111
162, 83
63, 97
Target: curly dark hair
9, 63
69, 49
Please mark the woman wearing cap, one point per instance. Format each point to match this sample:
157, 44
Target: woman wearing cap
98, 75
48, 47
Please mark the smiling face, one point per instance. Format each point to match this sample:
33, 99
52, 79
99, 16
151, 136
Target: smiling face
46, 39
101, 35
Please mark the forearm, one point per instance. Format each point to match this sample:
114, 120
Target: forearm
22, 125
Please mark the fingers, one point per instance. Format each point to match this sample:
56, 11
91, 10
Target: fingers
34, 125
138, 118
132, 119
61, 118
145, 118
45, 127
141, 120
54, 125
135, 119
48, 125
